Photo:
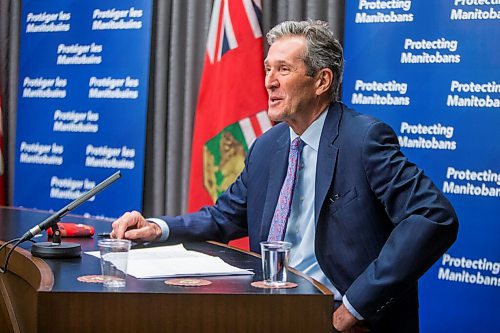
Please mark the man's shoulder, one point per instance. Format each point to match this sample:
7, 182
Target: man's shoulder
361, 122
266, 145
359, 118
273, 134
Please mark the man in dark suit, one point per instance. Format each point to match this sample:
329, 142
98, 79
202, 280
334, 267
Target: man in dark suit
364, 220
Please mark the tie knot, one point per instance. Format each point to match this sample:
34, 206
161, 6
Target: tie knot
297, 143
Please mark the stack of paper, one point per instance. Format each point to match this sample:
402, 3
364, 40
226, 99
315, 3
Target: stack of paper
175, 260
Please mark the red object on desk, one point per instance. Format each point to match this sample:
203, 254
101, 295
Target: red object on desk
73, 230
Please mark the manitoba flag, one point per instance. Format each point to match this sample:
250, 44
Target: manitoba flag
232, 101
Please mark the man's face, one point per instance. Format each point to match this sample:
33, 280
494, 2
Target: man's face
291, 91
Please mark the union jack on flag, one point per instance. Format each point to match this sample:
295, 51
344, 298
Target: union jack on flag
221, 36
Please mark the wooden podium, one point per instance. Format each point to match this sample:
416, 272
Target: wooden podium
45, 296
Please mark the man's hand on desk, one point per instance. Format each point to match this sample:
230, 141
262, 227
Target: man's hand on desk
133, 226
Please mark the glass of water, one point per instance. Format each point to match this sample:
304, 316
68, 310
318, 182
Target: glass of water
114, 256
275, 262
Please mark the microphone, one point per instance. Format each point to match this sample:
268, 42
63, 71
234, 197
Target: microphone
56, 249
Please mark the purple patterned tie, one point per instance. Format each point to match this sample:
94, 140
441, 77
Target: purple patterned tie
282, 212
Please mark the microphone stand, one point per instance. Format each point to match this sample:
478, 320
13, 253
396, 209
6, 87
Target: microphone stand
56, 249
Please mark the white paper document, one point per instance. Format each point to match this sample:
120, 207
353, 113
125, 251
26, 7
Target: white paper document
175, 260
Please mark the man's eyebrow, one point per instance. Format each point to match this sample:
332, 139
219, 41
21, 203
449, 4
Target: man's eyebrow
279, 62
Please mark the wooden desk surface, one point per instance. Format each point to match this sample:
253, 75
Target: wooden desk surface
230, 304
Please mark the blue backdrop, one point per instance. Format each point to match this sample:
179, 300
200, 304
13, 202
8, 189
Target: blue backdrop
431, 70
83, 87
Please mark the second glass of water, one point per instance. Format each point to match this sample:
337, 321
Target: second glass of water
275, 262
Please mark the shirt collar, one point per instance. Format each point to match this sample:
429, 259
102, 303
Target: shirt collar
312, 134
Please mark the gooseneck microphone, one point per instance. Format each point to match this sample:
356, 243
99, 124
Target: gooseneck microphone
56, 249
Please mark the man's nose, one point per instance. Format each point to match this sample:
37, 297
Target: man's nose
271, 80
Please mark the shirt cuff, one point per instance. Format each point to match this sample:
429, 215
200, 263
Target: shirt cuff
349, 307
165, 230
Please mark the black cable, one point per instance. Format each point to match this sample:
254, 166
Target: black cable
3, 270
9, 254
19, 241
7, 243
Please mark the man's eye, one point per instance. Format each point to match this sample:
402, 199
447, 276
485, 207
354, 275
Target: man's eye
284, 69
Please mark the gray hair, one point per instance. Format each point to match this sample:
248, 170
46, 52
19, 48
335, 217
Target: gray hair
323, 50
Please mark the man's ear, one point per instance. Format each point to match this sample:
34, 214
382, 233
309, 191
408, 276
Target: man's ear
324, 79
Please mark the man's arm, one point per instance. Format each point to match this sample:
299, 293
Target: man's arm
223, 221
425, 224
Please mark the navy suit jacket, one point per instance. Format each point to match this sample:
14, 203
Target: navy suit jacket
380, 222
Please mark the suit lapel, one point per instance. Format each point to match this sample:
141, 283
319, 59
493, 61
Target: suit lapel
277, 171
327, 156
